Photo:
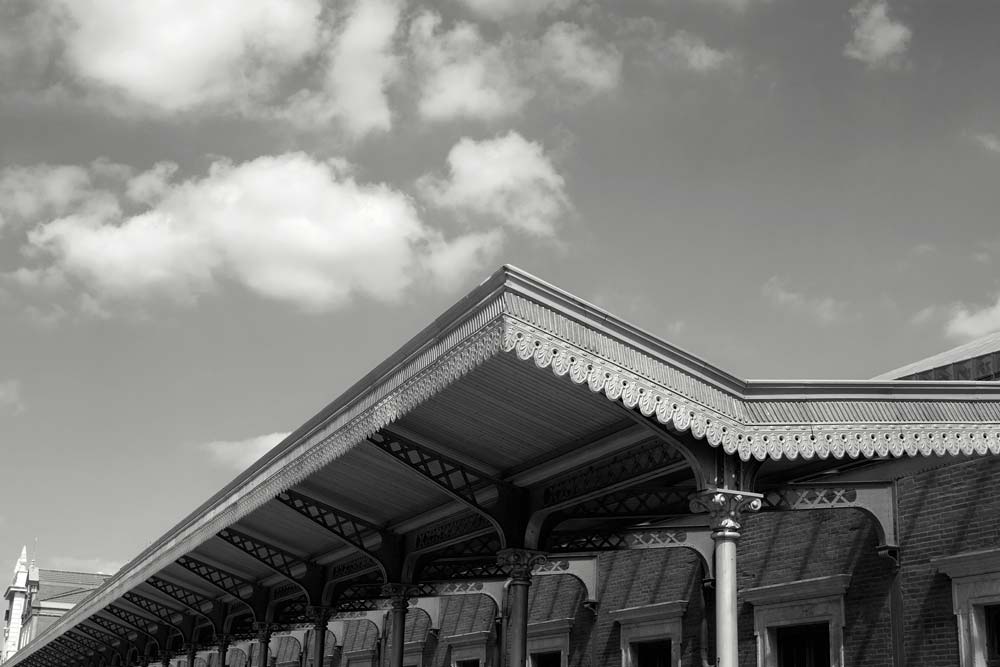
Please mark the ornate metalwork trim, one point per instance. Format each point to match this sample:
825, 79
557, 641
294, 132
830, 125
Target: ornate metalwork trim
675, 398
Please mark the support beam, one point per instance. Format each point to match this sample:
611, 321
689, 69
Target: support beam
184, 596
280, 561
227, 582
138, 622
346, 526
457, 480
161, 612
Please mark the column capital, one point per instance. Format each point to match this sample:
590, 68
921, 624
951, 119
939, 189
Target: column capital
518, 563
399, 594
262, 630
726, 508
318, 615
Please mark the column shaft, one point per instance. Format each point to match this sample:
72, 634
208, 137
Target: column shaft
727, 643
318, 643
223, 651
517, 622
264, 641
398, 636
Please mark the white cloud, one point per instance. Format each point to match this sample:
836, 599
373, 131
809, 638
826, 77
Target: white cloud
878, 41
461, 74
29, 192
10, 397
738, 6
92, 565
967, 322
241, 454
505, 9
693, 53
452, 263
174, 55
288, 228
577, 57
988, 141
361, 63
824, 310
508, 180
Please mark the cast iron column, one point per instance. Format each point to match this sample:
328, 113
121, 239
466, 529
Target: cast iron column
223, 650
518, 564
726, 508
264, 641
192, 653
320, 617
397, 593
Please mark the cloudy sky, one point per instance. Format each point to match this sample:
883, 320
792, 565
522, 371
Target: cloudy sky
216, 216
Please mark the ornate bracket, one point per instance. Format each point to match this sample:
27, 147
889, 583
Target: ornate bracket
697, 539
725, 508
878, 500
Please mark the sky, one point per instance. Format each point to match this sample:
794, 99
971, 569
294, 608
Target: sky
214, 217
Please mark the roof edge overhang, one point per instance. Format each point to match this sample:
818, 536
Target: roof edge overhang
513, 312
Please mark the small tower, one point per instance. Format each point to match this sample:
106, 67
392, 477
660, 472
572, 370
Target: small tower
15, 596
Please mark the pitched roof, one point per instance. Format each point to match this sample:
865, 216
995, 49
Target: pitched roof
988, 344
75, 578
68, 587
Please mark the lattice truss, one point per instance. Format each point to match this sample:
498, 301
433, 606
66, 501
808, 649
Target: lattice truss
162, 612
640, 461
452, 476
186, 597
228, 582
277, 559
350, 528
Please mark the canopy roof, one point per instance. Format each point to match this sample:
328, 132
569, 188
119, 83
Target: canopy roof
519, 385
984, 349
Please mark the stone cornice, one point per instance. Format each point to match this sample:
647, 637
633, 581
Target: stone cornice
969, 563
650, 612
795, 591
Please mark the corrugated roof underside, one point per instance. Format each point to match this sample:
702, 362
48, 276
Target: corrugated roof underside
508, 412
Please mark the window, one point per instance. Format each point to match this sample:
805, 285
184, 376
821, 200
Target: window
651, 634
975, 591
652, 654
991, 614
547, 659
548, 643
472, 649
800, 623
803, 645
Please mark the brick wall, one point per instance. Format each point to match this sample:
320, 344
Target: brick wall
943, 511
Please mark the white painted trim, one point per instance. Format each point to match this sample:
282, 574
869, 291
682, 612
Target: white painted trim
802, 602
548, 637
975, 584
